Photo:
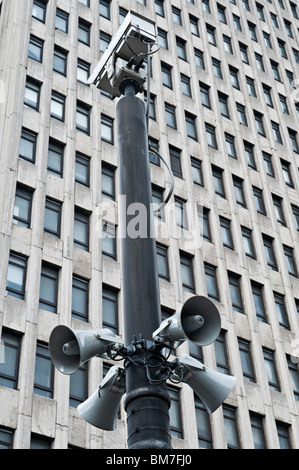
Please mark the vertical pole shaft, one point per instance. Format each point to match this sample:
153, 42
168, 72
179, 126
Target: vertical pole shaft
147, 405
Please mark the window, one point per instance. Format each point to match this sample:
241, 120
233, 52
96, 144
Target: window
211, 34
295, 211
238, 190
237, 22
108, 181
32, 94
176, 16
206, 5
82, 169
282, 48
199, 59
247, 242
258, 299
52, 217
259, 123
257, 431
211, 136
275, 70
83, 71
231, 428
176, 428
166, 75
246, 361
44, 371
16, 275
39, 10
57, 106
250, 86
283, 435
60, 61
110, 309
252, 31
269, 361
226, 235
259, 200
162, 38
294, 141
218, 181
109, 239
294, 376
227, 43
249, 152
204, 94
276, 132
281, 311
259, 62
79, 386
187, 272
22, 206
277, 202
221, 355
180, 212
286, 171
81, 230
267, 39
84, 32
221, 14
223, 104
80, 289
181, 48
157, 200
170, 115
211, 281
61, 21
159, 6
105, 8
274, 20
204, 223
194, 25
290, 260
260, 11
241, 114
48, 288
36, 49
175, 161
104, 41
107, 129
234, 77
268, 164
55, 158
185, 84
217, 68
191, 125
9, 369
267, 95
204, 432
27, 149
83, 118
162, 262
196, 171
230, 145
235, 292
269, 251
243, 52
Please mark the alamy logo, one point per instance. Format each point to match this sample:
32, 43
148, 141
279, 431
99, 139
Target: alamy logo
295, 351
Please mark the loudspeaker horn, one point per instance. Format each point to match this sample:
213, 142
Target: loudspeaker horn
71, 348
198, 321
100, 409
210, 386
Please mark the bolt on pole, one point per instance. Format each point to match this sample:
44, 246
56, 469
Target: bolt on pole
147, 405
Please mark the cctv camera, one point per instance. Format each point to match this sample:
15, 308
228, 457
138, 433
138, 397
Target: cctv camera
133, 38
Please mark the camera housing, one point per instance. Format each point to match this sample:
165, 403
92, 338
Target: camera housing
132, 39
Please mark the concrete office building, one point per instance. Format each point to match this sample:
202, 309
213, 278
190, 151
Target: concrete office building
225, 114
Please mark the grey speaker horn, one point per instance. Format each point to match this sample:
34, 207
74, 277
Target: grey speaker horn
198, 321
71, 348
210, 386
100, 409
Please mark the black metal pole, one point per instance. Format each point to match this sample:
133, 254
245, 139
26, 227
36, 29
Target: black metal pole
147, 405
